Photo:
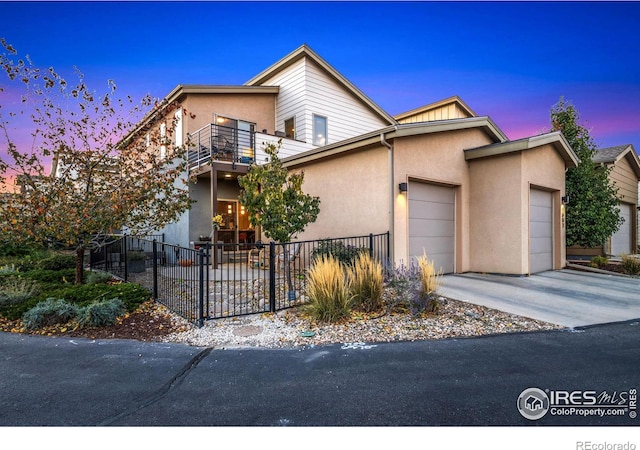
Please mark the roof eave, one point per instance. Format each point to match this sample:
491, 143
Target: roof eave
555, 138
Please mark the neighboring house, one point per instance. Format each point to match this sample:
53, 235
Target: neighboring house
439, 178
625, 176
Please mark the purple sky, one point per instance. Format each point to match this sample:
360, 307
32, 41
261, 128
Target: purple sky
511, 61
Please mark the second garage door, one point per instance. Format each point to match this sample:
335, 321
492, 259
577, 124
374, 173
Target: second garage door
432, 224
540, 231
621, 239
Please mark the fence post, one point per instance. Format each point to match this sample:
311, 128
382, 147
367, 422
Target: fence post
201, 293
371, 244
126, 257
155, 270
272, 277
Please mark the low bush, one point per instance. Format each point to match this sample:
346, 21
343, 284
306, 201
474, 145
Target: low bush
345, 254
98, 278
132, 295
366, 283
8, 269
631, 265
62, 276
99, 314
57, 261
15, 290
598, 261
328, 291
49, 312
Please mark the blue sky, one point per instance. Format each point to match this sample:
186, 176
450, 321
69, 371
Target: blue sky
511, 61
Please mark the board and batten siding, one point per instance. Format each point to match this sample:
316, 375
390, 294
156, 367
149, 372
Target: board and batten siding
305, 90
446, 112
626, 181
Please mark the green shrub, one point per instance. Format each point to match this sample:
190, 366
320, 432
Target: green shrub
63, 276
345, 254
132, 295
631, 265
57, 261
328, 291
98, 278
598, 261
366, 283
49, 312
15, 290
99, 314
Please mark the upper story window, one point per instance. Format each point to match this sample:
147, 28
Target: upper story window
163, 136
319, 130
290, 128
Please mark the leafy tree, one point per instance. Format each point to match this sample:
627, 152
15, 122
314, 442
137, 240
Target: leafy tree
79, 180
274, 200
592, 213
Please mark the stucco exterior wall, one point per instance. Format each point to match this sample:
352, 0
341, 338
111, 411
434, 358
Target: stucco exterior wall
257, 108
435, 158
353, 191
496, 244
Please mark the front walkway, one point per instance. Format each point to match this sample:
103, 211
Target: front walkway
564, 297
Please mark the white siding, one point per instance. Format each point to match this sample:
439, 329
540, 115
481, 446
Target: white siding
305, 89
290, 147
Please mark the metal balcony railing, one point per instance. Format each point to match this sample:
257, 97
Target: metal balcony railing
219, 143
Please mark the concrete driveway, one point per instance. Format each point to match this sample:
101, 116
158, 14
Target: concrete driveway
565, 297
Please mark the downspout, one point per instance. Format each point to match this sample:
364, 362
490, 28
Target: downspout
392, 197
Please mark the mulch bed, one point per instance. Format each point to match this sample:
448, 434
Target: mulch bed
610, 267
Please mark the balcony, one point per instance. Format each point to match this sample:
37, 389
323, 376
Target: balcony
219, 143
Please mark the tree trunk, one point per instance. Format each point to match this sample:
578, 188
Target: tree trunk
79, 264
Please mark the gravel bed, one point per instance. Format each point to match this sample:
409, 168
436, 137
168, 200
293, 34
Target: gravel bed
291, 328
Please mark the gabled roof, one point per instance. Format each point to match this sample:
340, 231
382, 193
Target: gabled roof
556, 139
611, 155
396, 131
304, 51
435, 105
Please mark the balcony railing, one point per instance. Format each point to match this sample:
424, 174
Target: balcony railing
218, 143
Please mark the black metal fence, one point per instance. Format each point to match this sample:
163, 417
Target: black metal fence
224, 280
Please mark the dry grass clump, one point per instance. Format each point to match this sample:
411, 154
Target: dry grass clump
366, 282
330, 299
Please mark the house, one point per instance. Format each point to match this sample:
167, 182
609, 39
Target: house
625, 176
439, 178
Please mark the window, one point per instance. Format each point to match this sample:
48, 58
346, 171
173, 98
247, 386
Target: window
290, 128
319, 130
163, 135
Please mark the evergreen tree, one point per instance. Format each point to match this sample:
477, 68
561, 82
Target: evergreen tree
592, 213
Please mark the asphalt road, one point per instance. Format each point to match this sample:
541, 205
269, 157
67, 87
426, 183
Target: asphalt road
475, 381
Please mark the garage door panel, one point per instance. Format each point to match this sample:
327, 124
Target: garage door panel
432, 224
433, 228
429, 210
432, 246
540, 230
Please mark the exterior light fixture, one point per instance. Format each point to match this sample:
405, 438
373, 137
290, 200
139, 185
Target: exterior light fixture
402, 187
565, 200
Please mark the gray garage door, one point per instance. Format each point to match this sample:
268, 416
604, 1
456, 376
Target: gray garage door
540, 231
432, 224
621, 239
